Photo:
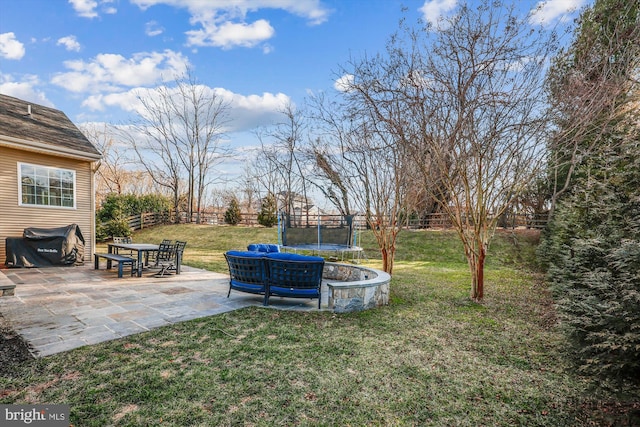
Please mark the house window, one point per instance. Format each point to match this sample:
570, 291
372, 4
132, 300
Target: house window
46, 186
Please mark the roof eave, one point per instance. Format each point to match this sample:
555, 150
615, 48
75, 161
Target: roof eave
24, 144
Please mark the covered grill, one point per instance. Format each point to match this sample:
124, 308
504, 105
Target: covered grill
46, 247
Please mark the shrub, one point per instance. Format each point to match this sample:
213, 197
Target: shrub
118, 227
116, 206
102, 233
232, 215
267, 215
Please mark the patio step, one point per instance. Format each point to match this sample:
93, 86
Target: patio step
7, 287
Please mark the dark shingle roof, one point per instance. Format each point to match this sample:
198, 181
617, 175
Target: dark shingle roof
45, 126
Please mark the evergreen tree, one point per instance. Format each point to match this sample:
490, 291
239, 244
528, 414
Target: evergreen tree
267, 215
232, 215
592, 245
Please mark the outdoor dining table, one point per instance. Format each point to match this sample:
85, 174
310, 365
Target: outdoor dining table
140, 248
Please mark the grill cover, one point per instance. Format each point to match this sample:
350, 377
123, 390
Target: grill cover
46, 247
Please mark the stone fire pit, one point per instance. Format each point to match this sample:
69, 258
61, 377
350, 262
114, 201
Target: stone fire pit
355, 288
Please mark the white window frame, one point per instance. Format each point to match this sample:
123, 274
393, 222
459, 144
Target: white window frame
50, 170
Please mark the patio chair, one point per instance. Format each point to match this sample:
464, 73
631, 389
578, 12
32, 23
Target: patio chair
179, 252
169, 257
122, 239
153, 256
164, 253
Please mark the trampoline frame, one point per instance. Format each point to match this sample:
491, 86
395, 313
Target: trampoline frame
320, 246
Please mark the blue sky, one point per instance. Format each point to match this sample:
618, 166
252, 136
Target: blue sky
89, 57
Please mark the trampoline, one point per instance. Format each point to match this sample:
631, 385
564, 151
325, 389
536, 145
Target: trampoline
328, 234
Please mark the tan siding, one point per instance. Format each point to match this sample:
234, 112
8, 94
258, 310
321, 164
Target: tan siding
14, 218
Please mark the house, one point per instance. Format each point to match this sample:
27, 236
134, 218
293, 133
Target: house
47, 171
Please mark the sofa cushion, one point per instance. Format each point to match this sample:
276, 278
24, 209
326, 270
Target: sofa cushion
263, 247
294, 292
293, 257
246, 254
248, 287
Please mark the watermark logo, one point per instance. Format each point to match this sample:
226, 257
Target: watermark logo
34, 415
47, 250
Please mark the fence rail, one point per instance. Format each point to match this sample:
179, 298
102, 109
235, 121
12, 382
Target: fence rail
147, 219
509, 221
433, 221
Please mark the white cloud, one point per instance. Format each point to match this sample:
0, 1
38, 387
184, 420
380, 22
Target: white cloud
229, 34
25, 90
127, 101
223, 23
434, 10
344, 83
10, 47
246, 112
70, 43
111, 72
85, 8
521, 64
313, 10
152, 29
546, 12
107, 8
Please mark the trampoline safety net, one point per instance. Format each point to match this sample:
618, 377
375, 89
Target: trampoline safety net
318, 233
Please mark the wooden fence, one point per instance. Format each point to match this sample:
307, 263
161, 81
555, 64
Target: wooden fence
433, 221
510, 221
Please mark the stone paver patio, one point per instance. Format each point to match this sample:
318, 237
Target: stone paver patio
61, 308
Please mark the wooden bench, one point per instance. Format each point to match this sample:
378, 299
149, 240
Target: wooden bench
120, 259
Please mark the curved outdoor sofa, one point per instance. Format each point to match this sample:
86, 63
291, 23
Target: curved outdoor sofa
275, 274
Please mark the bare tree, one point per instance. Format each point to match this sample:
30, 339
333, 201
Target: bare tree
593, 86
157, 154
282, 149
182, 128
265, 173
368, 164
328, 174
483, 81
114, 174
249, 189
327, 177
380, 186
466, 102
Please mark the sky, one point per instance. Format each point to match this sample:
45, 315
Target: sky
89, 58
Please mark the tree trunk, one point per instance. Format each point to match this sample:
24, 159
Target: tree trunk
476, 265
387, 259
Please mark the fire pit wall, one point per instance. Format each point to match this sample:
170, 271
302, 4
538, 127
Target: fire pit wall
355, 288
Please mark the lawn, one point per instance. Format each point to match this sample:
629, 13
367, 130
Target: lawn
432, 357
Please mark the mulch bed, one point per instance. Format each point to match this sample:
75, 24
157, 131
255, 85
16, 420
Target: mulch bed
13, 349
